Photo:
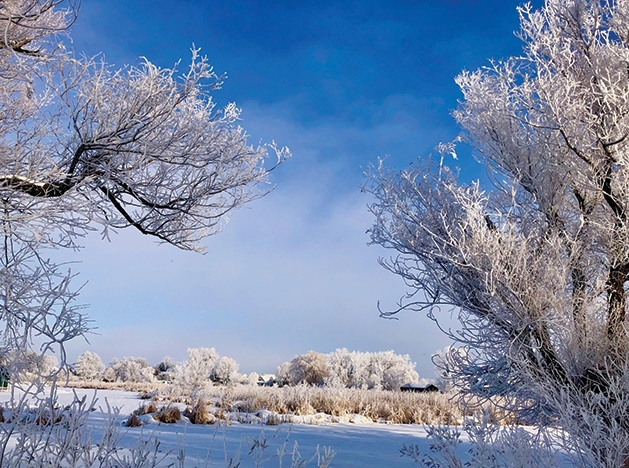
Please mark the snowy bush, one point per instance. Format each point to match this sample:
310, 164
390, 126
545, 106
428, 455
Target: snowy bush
283, 372
166, 368
310, 368
195, 372
344, 369
89, 366
391, 370
250, 379
383, 370
166, 364
130, 369
225, 371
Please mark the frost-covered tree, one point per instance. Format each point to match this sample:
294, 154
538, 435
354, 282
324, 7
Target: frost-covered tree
283, 374
195, 372
84, 146
29, 366
382, 370
130, 369
310, 368
345, 369
350, 369
248, 379
166, 369
538, 264
89, 366
225, 371
389, 371
166, 364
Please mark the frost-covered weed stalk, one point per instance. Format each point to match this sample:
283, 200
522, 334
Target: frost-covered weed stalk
84, 145
537, 265
491, 446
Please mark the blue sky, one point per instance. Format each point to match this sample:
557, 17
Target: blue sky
341, 83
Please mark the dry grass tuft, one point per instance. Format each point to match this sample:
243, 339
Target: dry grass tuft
152, 395
133, 421
287, 402
46, 420
168, 415
224, 416
199, 414
146, 409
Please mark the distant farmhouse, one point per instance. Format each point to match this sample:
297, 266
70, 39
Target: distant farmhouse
266, 380
419, 388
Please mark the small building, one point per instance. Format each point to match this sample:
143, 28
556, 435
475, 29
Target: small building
266, 380
419, 388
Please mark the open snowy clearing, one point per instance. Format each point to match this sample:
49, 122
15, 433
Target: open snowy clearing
355, 445
364, 444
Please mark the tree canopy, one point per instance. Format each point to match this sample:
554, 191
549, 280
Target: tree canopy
85, 146
536, 264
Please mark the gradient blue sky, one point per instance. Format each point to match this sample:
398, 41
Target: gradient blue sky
341, 83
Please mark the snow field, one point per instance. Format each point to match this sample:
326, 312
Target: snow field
354, 442
363, 444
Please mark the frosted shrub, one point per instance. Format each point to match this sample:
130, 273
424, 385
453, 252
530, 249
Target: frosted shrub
89, 366
166, 368
390, 371
195, 372
283, 374
130, 369
225, 371
383, 370
310, 368
250, 379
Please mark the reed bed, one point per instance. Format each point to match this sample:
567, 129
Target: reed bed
375, 405
307, 404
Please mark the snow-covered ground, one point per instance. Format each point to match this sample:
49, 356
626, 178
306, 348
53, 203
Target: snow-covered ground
355, 445
363, 444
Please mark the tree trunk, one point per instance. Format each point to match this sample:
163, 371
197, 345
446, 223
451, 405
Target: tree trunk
616, 311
